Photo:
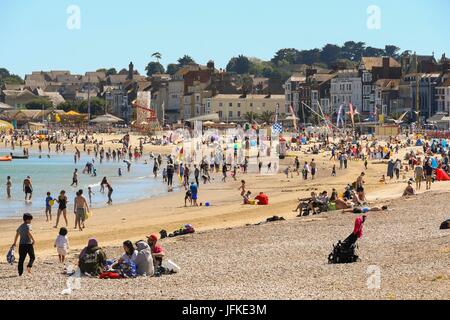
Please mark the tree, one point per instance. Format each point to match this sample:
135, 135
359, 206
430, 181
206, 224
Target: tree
267, 116
251, 116
111, 72
39, 104
247, 84
157, 56
154, 67
185, 60
123, 71
374, 52
239, 64
353, 50
330, 53
7, 78
308, 57
97, 106
4, 73
391, 51
289, 55
172, 68
101, 70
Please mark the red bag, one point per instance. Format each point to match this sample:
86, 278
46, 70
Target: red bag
110, 275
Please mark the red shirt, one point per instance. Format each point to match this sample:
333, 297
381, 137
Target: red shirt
262, 199
157, 249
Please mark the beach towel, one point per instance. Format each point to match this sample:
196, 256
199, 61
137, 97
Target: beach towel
441, 175
10, 256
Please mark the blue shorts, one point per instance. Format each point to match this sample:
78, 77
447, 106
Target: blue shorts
194, 196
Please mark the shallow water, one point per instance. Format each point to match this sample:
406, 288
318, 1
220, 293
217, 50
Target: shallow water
55, 174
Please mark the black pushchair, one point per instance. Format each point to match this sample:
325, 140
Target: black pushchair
344, 252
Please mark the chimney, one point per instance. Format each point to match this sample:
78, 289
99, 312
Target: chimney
130, 71
385, 63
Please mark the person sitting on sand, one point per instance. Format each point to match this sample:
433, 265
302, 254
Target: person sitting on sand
157, 251
144, 259
343, 204
92, 259
130, 254
409, 191
246, 197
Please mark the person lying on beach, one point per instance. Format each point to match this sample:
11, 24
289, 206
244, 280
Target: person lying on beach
409, 191
92, 260
365, 209
343, 204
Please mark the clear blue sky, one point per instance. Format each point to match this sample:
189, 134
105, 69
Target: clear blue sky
34, 35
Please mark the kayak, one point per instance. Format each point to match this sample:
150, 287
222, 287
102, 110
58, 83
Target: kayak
19, 157
6, 158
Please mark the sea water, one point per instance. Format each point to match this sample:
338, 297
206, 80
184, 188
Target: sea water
55, 174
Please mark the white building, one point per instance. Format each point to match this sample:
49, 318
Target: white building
346, 88
175, 98
292, 97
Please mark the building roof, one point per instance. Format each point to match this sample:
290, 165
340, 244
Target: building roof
4, 106
388, 84
54, 97
18, 93
249, 96
377, 62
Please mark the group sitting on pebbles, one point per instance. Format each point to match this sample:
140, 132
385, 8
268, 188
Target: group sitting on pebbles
144, 258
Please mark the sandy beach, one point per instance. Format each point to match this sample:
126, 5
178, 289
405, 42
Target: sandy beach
279, 260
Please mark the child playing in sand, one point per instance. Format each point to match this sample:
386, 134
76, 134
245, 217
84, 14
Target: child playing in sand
48, 207
62, 244
333, 171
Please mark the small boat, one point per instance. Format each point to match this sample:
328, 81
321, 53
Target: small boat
6, 158
19, 157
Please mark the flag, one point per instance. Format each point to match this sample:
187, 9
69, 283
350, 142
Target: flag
277, 128
291, 110
339, 116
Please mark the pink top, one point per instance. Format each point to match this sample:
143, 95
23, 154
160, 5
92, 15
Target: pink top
359, 226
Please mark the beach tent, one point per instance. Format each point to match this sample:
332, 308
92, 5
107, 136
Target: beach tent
107, 119
441, 175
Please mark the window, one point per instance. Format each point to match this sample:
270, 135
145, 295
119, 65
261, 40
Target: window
367, 90
238, 114
230, 114
220, 104
230, 104
251, 104
220, 114
367, 77
239, 104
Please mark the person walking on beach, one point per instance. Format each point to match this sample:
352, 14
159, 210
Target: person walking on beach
26, 243
28, 188
62, 208
48, 207
418, 174
75, 178
90, 194
170, 172
62, 244
224, 172
194, 192
242, 187
313, 168
8, 187
428, 174
196, 174
80, 208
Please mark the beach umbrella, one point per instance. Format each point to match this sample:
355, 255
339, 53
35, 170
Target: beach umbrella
4, 125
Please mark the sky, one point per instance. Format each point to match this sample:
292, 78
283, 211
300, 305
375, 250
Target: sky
35, 34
